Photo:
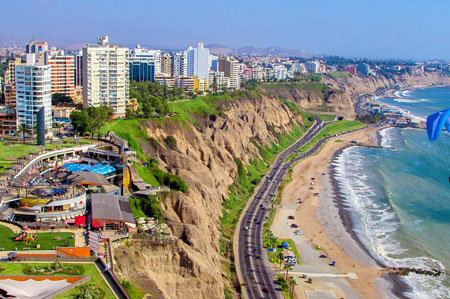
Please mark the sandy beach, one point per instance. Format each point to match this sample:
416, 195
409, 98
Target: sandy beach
319, 220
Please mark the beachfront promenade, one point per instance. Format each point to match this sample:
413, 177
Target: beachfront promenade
256, 273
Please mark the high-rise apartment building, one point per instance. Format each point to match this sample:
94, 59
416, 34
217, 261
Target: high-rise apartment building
33, 91
79, 69
10, 73
230, 68
198, 61
166, 64
38, 48
63, 72
106, 76
141, 68
179, 64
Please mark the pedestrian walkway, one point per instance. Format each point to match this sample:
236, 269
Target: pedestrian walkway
329, 275
15, 229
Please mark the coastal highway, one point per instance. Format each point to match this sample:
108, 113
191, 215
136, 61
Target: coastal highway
254, 270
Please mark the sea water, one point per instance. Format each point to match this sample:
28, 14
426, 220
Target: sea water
399, 196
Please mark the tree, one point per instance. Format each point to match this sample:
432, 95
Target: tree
280, 258
90, 119
60, 98
292, 284
287, 267
23, 129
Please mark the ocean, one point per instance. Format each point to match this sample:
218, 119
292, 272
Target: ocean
399, 196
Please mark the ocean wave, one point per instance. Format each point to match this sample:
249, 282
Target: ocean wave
377, 223
409, 100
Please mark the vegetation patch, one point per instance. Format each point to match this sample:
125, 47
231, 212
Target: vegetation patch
333, 129
90, 291
55, 268
133, 291
339, 74
146, 207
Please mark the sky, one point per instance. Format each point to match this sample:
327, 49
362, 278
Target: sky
405, 29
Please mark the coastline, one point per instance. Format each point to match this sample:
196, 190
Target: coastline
322, 226
398, 286
390, 92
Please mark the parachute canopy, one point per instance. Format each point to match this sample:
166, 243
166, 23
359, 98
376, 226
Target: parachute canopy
436, 122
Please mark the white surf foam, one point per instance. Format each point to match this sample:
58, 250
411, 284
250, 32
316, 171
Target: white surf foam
377, 222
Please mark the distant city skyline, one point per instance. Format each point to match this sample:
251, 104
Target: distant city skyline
370, 29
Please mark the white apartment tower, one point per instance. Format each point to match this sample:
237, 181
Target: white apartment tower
106, 76
179, 67
198, 62
33, 91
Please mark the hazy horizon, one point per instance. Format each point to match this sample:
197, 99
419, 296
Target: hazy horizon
414, 30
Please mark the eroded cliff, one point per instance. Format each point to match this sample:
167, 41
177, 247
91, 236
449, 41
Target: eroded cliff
205, 157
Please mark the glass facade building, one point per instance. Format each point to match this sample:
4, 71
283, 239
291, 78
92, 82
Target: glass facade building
142, 70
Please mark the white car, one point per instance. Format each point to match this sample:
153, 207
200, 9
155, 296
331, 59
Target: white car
298, 232
246, 227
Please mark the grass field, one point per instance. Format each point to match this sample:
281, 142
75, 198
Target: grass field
90, 270
333, 129
45, 240
8, 151
340, 74
326, 117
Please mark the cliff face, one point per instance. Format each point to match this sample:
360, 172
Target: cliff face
354, 85
342, 91
204, 157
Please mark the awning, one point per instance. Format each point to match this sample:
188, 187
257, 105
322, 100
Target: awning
80, 220
97, 224
69, 221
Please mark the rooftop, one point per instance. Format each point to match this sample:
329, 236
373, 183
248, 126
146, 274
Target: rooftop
111, 207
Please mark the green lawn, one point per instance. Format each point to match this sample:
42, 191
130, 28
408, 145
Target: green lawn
333, 129
131, 130
90, 270
326, 117
272, 255
17, 150
46, 240
339, 74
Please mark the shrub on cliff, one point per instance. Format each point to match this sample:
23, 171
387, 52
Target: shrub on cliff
171, 142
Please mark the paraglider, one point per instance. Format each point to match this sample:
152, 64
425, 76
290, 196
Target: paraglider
436, 122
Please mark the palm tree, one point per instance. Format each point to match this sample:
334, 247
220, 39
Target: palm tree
22, 129
280, 258
287, 267
292, 284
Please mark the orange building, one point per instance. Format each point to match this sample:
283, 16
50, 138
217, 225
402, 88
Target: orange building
63, 76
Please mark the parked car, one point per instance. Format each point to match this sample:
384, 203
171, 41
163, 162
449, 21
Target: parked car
291, 217
323, 256
293, 225
298, 232
265, 289
246, 227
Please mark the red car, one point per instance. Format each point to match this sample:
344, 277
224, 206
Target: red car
291, 217
293, 225
265, 289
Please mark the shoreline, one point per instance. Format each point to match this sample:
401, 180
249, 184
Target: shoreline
322, 226
389, 92
399, 287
